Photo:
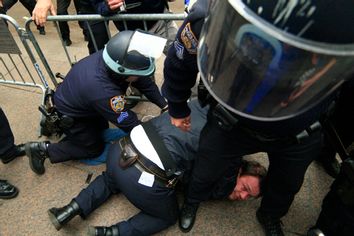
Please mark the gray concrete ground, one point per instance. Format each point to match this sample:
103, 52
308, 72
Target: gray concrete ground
26, 214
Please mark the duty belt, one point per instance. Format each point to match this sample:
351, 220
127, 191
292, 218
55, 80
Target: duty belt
130, 155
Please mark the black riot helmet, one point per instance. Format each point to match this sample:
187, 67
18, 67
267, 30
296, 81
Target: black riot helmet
274, 60
127, 54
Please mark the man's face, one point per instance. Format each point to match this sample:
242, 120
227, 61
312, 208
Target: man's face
247, 187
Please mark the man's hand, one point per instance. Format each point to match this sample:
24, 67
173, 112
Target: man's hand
40, 12
183, 124
114, 4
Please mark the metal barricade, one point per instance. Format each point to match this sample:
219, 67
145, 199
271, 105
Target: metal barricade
19, 65
72, 53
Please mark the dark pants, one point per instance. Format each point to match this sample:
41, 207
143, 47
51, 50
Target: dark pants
28, 4
83, 140
62, 9
287, 164
7, 145
337, 214
158, 204
100, 35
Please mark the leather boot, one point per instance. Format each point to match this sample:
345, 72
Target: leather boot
37, 153
7, 190
270, 225
103, 231
187, 216
17, 151
61, 216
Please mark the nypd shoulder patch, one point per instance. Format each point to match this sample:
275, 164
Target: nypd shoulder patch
189, 40
117, 103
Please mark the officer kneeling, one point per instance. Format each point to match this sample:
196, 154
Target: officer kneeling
93, 93
145, 168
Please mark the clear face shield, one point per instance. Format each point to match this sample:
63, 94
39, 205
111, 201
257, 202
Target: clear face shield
139, 58
263, 73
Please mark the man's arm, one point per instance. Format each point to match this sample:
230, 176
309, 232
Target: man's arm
150, 90
40, 12
180, 68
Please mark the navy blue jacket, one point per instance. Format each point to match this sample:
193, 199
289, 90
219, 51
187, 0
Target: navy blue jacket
88, 91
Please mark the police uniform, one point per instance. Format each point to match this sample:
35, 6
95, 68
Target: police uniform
226, 137
157, 202
92, 97
100, 7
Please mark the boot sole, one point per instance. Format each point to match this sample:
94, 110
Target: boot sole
54, 220
29, 154
10, 196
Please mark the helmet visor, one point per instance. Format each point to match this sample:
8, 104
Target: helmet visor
263, 73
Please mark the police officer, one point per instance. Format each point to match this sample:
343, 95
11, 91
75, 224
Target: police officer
109, 8
93, 94
271, 68
142, 184
8, 152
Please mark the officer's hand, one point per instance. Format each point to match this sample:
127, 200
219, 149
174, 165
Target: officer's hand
114, 4
40, 12
183, 124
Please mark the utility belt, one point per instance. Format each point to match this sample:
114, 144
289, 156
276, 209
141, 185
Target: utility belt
130, 156
227, 121
53, 122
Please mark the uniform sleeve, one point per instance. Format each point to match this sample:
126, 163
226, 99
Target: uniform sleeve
114, 111
101, 7
180, 67
150, 90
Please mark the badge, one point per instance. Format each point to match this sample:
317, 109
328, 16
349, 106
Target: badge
117, 103
189, 40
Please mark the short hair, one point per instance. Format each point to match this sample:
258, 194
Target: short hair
254, 168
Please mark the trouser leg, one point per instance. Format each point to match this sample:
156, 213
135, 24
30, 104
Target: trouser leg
62, 9
7, 4
218, 149
83, 140
100, 35
6, 136
94, 195
287, 168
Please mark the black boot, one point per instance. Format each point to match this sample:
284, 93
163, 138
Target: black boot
17, 151
103, 231
271, 225
61, 216
37, 153
187, 216
7, 190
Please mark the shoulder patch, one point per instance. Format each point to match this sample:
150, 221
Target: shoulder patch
189, 40
117, 103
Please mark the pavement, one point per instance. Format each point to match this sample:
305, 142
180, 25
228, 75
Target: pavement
27, 214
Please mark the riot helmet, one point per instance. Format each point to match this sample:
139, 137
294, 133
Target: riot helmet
275, 65
132, 53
